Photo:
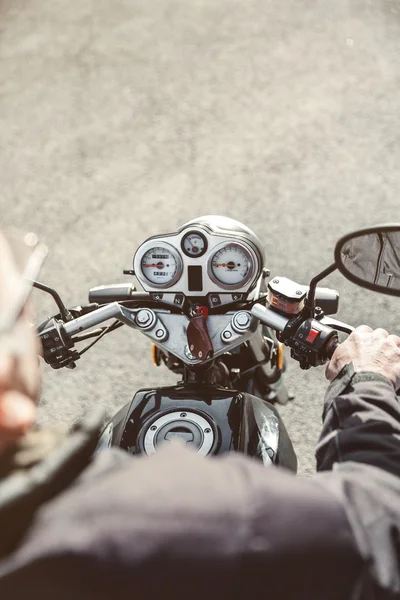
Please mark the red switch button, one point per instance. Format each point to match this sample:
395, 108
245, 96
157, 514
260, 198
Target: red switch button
313, 334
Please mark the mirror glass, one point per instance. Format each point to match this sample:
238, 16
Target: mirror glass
371, 258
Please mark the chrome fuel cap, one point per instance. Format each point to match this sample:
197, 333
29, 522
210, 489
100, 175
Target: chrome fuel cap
187, 427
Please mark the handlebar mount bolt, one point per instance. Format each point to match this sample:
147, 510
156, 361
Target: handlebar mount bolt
143, 317
241, 321
275, 281
243, 318
299, 292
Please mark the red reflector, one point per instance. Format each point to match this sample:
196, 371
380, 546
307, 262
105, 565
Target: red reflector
314, 333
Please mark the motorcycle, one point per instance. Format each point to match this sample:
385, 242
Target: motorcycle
215, 319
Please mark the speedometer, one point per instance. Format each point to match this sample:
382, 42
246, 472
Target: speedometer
162, 266
231, 266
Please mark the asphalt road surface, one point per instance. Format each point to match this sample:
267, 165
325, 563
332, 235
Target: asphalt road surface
120, 120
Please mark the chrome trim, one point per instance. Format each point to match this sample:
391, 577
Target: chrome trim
109, 311
205, 427
269, 317
215, 240
203, 237
105, 439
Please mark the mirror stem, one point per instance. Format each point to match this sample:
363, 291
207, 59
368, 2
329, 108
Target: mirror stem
310, 302
64, 312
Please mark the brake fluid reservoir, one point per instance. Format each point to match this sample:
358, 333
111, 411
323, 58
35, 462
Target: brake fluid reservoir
286, 296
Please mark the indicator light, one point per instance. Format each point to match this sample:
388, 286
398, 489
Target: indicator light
155, 356
281, 352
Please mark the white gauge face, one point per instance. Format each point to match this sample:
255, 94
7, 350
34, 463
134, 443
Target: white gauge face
231, 266
194, 244
161, 266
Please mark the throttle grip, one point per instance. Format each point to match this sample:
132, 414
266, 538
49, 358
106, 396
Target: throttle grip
331, 347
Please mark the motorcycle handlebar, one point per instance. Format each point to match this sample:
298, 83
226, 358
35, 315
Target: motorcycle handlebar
115, 310
110, 311
116, 292
270, 317
279, 322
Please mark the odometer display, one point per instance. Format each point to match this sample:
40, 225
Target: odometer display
161, 266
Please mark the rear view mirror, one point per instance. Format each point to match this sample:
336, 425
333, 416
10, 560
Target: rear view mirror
371, 258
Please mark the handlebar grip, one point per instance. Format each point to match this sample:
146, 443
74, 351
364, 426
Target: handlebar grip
331, 347
117, 292
269, 317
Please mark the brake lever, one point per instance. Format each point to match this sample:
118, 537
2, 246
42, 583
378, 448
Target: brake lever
335, 324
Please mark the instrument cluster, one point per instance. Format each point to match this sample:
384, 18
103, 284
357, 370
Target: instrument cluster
199, 261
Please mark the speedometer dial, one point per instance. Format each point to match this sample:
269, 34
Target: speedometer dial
231, 266
162, 266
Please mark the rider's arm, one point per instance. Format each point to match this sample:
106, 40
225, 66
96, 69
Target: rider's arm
358, 454
361, 422
361, 419
178, 525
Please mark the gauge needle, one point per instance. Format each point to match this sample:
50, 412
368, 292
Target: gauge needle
158, 265
231, 265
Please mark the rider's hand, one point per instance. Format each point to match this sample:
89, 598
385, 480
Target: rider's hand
19, 368
369, 350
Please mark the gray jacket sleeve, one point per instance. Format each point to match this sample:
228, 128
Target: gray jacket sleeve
175, 525
359, 449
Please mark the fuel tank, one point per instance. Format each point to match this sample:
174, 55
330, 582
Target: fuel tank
209, 419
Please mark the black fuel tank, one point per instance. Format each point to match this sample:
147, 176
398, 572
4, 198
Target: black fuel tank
209, 419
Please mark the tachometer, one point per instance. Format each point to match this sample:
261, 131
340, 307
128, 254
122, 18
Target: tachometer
231, 266
162, 266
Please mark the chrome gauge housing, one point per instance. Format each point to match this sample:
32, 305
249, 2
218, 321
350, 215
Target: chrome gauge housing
231, 265
213, 258
194, 244
160, 264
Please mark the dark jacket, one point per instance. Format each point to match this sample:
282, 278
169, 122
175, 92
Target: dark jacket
183, 527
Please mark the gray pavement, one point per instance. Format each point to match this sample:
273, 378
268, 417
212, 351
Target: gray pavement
123, 119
